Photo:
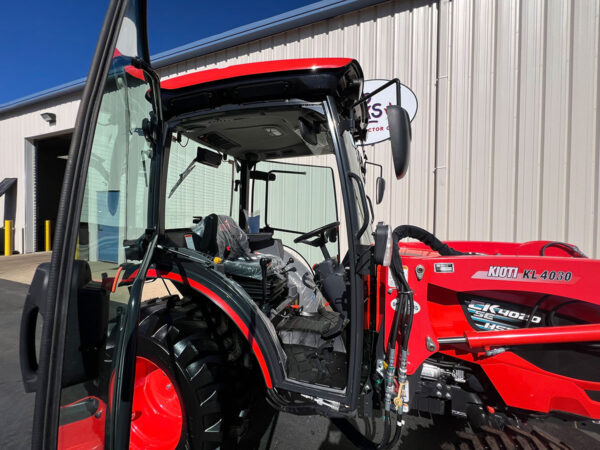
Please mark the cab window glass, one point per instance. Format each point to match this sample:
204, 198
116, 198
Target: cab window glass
194, 189
297, 199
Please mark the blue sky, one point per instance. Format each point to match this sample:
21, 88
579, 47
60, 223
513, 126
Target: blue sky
47, 43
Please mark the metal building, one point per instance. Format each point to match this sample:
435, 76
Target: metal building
505, 142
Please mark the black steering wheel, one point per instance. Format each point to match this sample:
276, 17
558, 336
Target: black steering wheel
321, 235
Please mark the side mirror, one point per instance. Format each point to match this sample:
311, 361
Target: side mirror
379, 189
400, 137
379, 182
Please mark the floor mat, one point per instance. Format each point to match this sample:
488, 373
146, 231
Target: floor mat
317, 366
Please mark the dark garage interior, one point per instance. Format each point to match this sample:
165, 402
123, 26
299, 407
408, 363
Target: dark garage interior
51, 160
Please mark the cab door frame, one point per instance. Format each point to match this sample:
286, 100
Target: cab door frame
52, 344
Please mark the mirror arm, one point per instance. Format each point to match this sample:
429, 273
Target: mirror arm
369, 163
379, 89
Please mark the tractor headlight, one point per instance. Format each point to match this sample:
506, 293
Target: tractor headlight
383, 244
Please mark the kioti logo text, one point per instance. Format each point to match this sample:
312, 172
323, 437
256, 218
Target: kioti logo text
502, 272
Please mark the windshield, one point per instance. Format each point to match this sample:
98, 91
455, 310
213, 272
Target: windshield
193, 189
271, 169
296, 199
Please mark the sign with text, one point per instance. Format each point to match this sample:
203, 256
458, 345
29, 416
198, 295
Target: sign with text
378, 129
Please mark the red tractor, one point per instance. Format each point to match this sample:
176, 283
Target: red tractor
216, 259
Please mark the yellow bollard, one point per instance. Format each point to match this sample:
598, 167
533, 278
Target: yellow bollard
48, 237
9, 242
77, 248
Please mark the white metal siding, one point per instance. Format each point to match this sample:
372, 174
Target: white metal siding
17, 131
392, 39
505, 141
518, 125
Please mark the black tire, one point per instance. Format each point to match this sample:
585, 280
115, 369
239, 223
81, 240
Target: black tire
215, 375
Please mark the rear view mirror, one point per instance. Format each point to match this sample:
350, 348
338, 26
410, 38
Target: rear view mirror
379, 189
400, 137
208, 157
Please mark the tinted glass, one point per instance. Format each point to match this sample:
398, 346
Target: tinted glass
114, 213
205, 190
302, 198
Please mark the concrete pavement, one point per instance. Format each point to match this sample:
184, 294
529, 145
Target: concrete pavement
20, 268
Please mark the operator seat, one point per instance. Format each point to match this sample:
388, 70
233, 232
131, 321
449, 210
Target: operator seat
331, 277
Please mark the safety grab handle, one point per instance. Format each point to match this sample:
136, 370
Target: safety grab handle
365, 205
35, 304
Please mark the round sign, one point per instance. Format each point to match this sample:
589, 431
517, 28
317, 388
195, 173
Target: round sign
378, 130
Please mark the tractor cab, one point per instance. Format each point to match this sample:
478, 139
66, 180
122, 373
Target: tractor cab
213, 252
263, 185
215, 260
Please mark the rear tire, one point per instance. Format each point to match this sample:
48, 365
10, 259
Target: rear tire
212, 370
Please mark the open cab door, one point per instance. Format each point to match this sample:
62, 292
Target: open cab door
83, 370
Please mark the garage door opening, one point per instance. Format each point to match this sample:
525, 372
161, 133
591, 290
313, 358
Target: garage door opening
50, 163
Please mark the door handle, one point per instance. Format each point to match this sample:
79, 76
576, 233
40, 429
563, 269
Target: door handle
35, 304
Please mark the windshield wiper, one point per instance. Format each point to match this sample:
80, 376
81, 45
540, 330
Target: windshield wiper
182, 177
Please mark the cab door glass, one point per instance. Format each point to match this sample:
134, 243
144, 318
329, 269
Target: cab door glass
114, 215
298, 198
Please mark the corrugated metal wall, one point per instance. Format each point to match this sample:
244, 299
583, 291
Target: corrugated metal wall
518, 144
505, 141
17, 133
393, 39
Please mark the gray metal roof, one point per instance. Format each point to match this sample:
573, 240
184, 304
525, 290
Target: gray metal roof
247, 33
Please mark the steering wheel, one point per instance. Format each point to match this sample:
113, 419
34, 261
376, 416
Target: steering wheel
321, 236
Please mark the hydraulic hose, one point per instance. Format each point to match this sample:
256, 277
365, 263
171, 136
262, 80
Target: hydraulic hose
386, 431
389, 374
404, 309
424, 236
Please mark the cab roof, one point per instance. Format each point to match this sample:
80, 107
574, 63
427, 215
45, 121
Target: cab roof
255, 68
310, 79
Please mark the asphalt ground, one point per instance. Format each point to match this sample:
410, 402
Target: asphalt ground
287, 431
16, 407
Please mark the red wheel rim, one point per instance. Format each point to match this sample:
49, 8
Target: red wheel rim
156, 418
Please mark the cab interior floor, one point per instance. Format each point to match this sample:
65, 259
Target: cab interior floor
315, 348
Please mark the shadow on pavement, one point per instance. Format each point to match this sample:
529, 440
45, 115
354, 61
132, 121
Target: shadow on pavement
16, 407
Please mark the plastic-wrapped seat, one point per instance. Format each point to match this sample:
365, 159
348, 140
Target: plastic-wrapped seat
221, 236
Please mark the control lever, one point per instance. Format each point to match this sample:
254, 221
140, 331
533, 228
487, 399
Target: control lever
291, 269
264, 262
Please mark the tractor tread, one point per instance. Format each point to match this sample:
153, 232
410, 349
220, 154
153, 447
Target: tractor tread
212, 366
510, 438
